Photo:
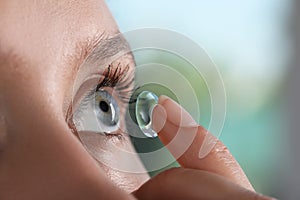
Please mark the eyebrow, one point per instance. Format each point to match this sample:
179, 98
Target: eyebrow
110, 47
103, 51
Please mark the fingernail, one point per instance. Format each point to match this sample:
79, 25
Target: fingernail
175, 113
208, 144
159, 117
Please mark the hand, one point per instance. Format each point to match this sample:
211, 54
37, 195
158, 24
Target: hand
216, 176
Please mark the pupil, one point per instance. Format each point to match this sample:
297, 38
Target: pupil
104, 106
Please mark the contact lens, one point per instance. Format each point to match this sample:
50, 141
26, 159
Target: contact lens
145, 103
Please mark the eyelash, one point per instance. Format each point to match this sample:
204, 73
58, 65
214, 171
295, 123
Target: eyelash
117, 80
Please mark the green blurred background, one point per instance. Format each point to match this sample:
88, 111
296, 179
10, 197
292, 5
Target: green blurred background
249, 42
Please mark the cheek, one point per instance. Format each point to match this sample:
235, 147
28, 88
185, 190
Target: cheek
125, 180
126, 170
117, 158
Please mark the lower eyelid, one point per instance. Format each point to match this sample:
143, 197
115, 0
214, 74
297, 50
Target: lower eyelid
115, 136
105, 139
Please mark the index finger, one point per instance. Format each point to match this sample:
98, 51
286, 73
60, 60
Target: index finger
184, 138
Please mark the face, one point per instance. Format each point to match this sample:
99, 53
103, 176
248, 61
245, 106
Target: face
52, 54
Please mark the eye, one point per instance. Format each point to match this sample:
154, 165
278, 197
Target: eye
98, 112
96, 103
107, 111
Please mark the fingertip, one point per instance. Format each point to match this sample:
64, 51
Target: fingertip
159, 117
162, 99
176, 114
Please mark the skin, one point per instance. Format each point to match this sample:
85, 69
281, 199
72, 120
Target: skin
42, 45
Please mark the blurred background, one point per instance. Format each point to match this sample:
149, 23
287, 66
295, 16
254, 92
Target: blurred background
253, 43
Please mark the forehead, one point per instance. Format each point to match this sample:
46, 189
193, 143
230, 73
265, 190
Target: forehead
47, 33
44, 45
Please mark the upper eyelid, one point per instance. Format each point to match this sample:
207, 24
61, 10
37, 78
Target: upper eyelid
120, 78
